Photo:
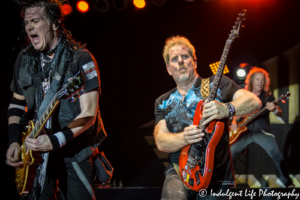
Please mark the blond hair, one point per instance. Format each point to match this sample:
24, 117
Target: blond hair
250, 76
177, 40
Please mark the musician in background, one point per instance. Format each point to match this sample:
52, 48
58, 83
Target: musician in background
258, 82
174, 112
51, 58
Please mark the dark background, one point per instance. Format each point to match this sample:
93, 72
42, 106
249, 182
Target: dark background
128, 46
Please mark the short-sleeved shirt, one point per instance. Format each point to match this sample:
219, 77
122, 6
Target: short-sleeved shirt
84, 62
262, 122
179, 112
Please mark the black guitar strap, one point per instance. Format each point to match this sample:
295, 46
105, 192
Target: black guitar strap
57, 72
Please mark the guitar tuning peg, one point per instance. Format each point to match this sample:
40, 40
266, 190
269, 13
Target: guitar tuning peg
71, 90
76, 86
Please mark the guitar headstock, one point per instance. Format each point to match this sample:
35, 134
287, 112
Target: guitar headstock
72, 88
235, 32
283, 97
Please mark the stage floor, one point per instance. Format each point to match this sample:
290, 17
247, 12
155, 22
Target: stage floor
154, 193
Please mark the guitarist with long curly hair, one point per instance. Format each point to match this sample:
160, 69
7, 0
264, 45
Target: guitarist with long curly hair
259, 130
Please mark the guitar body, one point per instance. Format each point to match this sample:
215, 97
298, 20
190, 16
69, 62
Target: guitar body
25, 175
235, 135
242, 126
199, 176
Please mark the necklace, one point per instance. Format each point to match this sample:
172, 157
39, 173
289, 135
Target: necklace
54, 47
44, 61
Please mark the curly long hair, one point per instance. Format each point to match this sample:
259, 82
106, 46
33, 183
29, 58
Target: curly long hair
53, 11
250, 76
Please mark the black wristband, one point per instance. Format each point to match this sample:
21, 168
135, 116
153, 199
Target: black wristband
15, 112
54, 142
17, 101
68, 133
14, 133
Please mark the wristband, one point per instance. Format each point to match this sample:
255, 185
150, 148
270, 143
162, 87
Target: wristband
14, 133
61, 138
18, 112
54, 142
231, 110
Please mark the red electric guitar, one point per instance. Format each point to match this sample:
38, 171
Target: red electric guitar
196, 161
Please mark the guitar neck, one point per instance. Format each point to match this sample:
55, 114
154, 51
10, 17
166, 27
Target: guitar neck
218, 76
45, 116
251, 118
219, 73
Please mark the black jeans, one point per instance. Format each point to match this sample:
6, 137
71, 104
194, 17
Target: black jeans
174, 189
65, 176
268, 143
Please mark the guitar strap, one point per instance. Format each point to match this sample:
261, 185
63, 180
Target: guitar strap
267, 95
205, 88
204, 93
57, 71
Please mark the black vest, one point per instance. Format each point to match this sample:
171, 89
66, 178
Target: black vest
85, 144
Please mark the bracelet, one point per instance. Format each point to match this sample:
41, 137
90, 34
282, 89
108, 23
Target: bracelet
231, 110
14, 133
61, 138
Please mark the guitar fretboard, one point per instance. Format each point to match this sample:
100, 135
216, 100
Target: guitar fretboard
218, 76
45, 116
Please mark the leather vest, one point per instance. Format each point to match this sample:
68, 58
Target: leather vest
86, 143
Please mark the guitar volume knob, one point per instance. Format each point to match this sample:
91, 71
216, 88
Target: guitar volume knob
191, 182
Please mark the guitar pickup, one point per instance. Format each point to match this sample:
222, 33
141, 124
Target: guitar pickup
197, 178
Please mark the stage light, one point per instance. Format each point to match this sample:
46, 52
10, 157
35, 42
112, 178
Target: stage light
214, 68
82, 6
139, 3
120, 5
101, 5
241, 73
159, 2
66, 9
